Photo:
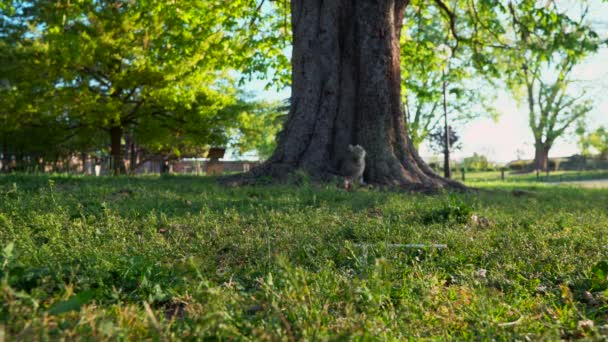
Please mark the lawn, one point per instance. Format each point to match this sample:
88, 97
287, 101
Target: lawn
553, 177
183, 258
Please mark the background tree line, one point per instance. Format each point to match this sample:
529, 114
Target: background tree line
153, 79
117, 78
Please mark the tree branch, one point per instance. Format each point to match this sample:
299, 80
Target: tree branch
483, 25
452, 18
131, 116
255, 16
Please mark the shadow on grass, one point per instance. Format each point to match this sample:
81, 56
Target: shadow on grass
180, 195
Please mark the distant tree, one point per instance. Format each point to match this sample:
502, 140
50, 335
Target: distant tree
478, 162
155, 71
189, 132
583, 142
260, 125
28, 129
437, 140
597, 140
548, 45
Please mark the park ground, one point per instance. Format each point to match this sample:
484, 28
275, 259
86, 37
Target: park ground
184, 258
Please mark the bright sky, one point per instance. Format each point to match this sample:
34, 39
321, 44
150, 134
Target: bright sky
501, 141
510, 136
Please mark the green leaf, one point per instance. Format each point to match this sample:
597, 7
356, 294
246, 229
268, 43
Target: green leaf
72, 304
7, 252
599, 276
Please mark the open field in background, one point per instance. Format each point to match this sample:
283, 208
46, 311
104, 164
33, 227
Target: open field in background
553, 177
183, 258
603, 183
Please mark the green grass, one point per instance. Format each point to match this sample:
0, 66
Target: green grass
183, 258
553, 177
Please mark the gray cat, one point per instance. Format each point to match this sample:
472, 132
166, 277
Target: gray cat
353, 166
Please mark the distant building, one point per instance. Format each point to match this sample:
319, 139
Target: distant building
213, 167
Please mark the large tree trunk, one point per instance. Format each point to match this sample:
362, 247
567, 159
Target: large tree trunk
118, 165
541, 157
346, 89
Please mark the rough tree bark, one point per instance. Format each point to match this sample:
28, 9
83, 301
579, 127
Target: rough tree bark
118, 165
346, 89
541, 156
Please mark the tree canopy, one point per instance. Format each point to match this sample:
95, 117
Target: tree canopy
92, 76
548, 44
429, 58
160, 72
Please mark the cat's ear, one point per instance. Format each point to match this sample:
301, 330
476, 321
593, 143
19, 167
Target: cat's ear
350, 147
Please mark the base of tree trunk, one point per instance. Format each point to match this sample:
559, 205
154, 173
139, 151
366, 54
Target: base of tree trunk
271, 173
541, 157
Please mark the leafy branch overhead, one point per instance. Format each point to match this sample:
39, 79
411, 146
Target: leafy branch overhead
162, 72
428, 63
532, 46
